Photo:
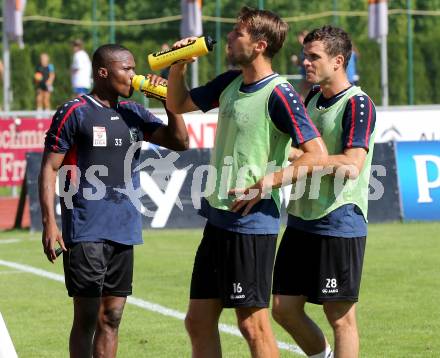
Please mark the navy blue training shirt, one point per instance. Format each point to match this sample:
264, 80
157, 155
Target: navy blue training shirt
289, 115
347, 220
95, 139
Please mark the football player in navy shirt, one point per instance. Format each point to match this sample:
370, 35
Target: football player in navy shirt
89, 138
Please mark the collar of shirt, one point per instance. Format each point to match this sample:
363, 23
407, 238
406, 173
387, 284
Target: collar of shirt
324, 103
255, 86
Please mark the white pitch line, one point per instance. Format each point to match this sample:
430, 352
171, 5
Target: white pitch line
150, 306
6, 347
8, 272
9, 241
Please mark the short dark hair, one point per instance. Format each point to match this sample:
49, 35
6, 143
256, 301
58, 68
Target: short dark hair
336, 41
105, 53
264, 25
77, 43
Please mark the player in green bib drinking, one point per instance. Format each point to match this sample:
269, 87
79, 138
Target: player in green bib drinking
260, 117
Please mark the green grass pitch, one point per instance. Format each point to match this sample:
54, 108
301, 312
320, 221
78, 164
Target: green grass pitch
398, 312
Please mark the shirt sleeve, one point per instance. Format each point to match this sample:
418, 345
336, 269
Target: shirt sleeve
207, 97
51, 67
358, 122
61, 134
148, 121
151, 123
289, 115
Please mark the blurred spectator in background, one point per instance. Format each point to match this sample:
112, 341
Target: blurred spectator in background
352, 74
43, 78
81, 69
297, 60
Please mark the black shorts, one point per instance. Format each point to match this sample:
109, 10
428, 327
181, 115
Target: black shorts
235, 268
322, 268
96, 269
42, 86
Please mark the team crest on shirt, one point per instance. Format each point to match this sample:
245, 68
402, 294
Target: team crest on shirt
99, 137
134, 135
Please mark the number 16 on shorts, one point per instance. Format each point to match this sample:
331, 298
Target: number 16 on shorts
237, 289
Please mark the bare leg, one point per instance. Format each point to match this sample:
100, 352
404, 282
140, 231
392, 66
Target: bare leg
85, 315
46, 100
201, 322
39, 99
105, 343
342, 318
255, 326
289, 312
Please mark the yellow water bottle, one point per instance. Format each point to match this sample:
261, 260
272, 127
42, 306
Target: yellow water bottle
143, 84
195, 48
